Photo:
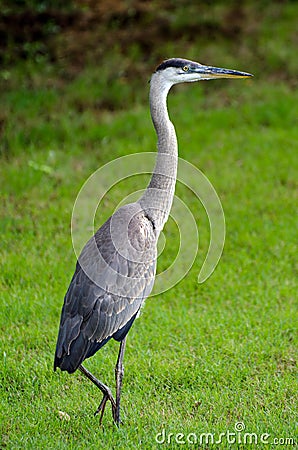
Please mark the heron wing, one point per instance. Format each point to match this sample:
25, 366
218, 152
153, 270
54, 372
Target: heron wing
109, 285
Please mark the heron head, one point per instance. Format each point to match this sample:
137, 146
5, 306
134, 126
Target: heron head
178, 70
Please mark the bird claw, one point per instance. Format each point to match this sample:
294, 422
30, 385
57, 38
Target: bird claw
101, 409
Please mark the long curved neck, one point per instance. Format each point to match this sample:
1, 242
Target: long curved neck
158, 197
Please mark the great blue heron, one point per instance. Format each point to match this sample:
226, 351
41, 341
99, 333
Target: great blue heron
116, 268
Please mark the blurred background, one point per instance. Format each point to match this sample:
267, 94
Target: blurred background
106, 49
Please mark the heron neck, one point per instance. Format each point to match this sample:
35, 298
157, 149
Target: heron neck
158, 197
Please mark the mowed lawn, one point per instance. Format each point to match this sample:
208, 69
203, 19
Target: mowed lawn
202, 358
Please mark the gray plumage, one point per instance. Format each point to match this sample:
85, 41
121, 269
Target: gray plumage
108, 287
116, 269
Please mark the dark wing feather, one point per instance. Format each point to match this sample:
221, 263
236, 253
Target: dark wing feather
111, 281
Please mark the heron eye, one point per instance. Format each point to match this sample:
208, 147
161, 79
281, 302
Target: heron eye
185, 68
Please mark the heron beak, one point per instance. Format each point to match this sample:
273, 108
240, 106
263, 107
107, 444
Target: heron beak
217, 72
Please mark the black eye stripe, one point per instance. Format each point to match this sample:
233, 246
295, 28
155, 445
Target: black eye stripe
174, 62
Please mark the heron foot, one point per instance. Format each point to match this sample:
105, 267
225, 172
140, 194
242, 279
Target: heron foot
107, 396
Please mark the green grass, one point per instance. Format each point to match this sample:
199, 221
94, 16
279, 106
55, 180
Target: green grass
201, 357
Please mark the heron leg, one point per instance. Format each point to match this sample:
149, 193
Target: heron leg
119, 372
107, 394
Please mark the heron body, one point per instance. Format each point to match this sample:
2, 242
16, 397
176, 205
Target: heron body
107, 289
116, 269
